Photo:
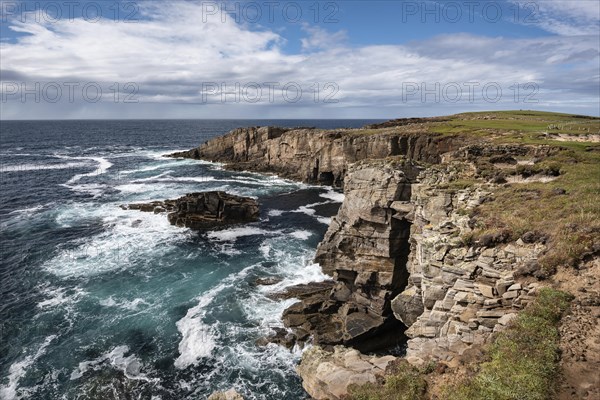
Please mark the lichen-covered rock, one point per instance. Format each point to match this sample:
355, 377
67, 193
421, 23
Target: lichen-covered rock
205, 210
327, 375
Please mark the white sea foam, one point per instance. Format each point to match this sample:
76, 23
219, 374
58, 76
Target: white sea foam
324, 220
39, 167
265, 249
333, 195
102, 168
152, 178
301, 234
275, 213
128, 237
234, 233
124, 304
60, 297
162, 165
18, 370
198, 339
306, 210
130, 365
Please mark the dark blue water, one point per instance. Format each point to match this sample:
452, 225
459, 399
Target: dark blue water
99, 303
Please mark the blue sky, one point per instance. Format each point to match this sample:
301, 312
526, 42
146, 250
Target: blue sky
296, 59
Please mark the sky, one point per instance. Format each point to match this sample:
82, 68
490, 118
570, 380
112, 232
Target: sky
83, 59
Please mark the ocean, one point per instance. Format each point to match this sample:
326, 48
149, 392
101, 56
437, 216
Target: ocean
97, 302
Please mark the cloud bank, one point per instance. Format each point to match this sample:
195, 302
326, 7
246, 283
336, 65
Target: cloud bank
181, 61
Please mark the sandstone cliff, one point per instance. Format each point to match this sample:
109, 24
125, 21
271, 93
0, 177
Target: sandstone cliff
400, 251
316, 156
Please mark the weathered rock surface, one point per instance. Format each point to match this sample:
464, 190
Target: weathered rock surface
396, 249
327, 375
205, 210
457, 294
313, 155
365, 250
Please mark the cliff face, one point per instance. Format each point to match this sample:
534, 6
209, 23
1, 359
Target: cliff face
315, 156
365, 250
396, 249
458, 293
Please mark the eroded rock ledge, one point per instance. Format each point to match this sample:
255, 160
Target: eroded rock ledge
205, 210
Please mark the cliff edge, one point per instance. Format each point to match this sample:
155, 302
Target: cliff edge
449, 228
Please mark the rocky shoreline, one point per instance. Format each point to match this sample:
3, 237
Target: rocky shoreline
403, 269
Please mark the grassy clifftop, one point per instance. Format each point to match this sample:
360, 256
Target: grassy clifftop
544, 176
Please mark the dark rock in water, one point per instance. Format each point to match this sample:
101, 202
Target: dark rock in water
303, 291
205, 210
266, 281
154, 206
280, 336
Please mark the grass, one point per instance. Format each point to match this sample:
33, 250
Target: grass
522, 362
523, 359
515, 125
570, 221
404, 383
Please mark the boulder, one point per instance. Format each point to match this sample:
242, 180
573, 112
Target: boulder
327, 375
408, 306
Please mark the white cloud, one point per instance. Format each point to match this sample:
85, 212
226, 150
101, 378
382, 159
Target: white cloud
171, 54
319, 38
563, 17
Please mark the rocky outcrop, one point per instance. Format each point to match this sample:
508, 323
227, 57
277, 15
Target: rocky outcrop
365, 250
458, 293
206, 210
327, 375
317, 156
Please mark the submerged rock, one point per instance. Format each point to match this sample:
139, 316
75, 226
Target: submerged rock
204, 210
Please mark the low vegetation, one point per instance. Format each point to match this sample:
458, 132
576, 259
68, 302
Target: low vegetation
523, 359
522, 362
404, 382
554, 198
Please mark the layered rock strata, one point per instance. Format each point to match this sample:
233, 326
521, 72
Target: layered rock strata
398, 250
316, 156
458, 293
205, 210
365, 250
